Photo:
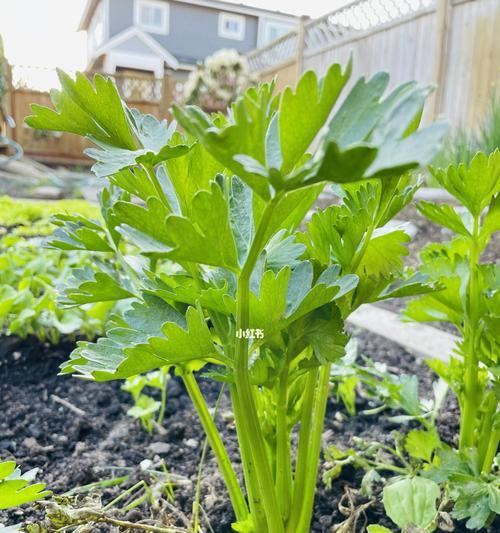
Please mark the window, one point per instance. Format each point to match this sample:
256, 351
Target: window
151, 15
96, 29
231, 26
272, 30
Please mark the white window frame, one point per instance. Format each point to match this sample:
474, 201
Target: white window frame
165, 9
266, 24
223, 17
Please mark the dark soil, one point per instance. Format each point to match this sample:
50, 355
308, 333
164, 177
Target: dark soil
73, 450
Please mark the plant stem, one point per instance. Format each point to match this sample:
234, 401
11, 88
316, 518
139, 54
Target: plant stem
251, 480
161, 414
303, 451
309, 488
283, 456
235, 494
156, 184
491, 451
249, 422
471, 394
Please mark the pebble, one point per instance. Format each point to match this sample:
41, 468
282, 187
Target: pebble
159, 447
192, 443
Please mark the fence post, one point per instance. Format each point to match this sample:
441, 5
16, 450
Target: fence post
440, 66
300, 45
166, 93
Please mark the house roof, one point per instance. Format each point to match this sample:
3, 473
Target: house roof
151, 43
243, 9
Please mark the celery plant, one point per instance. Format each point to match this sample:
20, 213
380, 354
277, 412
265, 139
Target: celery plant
201, 231
469, 299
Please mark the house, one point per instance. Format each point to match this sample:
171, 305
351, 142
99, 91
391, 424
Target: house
151, 35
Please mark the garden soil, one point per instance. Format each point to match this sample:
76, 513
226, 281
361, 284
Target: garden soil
74, 447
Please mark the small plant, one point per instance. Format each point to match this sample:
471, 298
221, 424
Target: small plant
148, 410
16, 489
470, 298
210, 267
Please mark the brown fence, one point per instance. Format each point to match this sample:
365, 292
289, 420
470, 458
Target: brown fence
145, 93
450, 43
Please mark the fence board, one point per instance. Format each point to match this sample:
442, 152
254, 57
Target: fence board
140, 91
410, 40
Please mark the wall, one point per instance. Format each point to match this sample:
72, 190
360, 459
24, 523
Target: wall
192, 30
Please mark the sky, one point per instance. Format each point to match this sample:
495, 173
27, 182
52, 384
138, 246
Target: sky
42, 33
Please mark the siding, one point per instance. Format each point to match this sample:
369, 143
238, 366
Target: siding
193, 30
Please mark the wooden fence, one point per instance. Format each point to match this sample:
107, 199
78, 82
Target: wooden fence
147, 94
449, 43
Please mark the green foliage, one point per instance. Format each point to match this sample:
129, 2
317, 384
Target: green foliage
16, 489
475, 494
146, 409
469, 298
203, 237
30, 274
412, 502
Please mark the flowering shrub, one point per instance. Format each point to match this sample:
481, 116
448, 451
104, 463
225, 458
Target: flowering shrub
218, 81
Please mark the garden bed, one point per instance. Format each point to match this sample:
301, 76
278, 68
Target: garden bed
73, 449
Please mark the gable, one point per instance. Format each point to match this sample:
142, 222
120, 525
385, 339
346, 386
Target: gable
136, 41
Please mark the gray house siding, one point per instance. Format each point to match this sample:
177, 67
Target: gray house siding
193, 30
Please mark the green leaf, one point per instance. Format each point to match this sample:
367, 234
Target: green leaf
494, 498
15, 489
411, 501
474, 186
472, 502
244, 132
378, 529
151, 334
76, 232
205, 237
491, 222
191, 173
421, 443
88, 110
416, 284
444, 215
111, 159
318, 98
88, 286
384, 253
145, 226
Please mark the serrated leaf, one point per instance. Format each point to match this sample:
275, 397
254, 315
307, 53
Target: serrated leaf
421, 443
76, 232
444, 215
206, 237
89, 286
15, 489
318, 97
244, 132
384, 253
473, 186
152, 334
86, 109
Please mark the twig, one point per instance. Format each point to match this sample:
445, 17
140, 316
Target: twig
69, 405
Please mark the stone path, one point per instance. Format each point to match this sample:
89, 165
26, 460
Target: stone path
419, 339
